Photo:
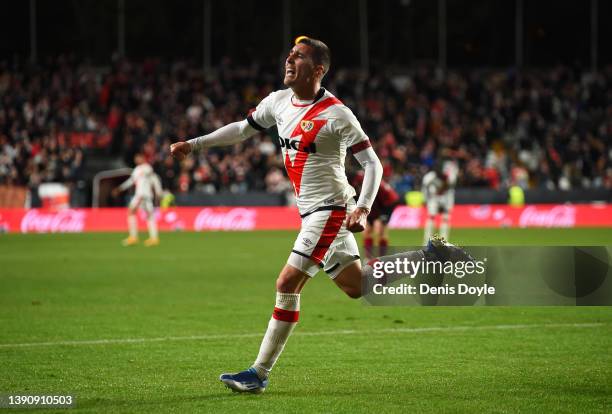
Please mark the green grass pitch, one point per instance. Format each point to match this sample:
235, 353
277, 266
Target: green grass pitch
142, 330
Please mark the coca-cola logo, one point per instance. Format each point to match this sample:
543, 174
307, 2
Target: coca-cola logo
233, 219
405, 218
64, 221
558, 216
480, 212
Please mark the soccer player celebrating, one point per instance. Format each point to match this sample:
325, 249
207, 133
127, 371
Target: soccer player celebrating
147, 185
439, 191
316, 130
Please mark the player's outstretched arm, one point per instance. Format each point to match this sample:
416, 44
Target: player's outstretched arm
157, 187
229, 134
124, 186
373, 171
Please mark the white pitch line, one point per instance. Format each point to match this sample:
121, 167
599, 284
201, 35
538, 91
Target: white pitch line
320, 333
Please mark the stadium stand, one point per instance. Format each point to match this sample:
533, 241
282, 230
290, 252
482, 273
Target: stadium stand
548, 129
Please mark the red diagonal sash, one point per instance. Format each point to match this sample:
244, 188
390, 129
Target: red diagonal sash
296, 168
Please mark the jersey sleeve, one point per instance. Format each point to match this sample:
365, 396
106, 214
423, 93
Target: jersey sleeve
263, 117
157, 187
349, 129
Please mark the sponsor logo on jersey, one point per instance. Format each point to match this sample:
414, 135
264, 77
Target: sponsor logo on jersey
307, 125
295, 144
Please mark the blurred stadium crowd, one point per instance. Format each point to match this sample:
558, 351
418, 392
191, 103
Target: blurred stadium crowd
547, 128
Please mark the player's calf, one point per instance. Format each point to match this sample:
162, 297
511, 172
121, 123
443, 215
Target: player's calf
284, 319
352, 291
349, 280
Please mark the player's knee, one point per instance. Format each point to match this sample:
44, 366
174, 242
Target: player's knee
290, 280
283, 284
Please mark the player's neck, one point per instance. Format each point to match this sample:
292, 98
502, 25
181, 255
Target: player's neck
307, 93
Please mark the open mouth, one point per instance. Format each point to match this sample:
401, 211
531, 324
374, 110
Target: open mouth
290, 72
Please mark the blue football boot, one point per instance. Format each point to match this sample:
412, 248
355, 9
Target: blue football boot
244, 381
444, 251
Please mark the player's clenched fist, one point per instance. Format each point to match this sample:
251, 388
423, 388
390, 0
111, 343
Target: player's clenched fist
356, 221
180, 150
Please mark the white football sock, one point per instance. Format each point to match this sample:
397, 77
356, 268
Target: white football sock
133, 225
429, 226
444, 226
284, 318
152, 224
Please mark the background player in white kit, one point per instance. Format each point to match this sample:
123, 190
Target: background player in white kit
315, 131
439, 191
148, 186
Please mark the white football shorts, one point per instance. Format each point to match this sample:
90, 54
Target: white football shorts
324, 242
440, 204
144, 203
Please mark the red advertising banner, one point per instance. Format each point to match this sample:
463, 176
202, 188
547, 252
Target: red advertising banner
179, 218
287, 218
492, 216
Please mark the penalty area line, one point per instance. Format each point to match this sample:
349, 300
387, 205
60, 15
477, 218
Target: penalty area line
120, 341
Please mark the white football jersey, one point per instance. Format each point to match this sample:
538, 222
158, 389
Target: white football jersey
439, 192
432, 185
314, 138
145, 180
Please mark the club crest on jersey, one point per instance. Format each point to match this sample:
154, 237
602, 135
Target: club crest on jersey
307, 126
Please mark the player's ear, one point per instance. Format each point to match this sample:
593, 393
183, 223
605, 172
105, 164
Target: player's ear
320, 71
